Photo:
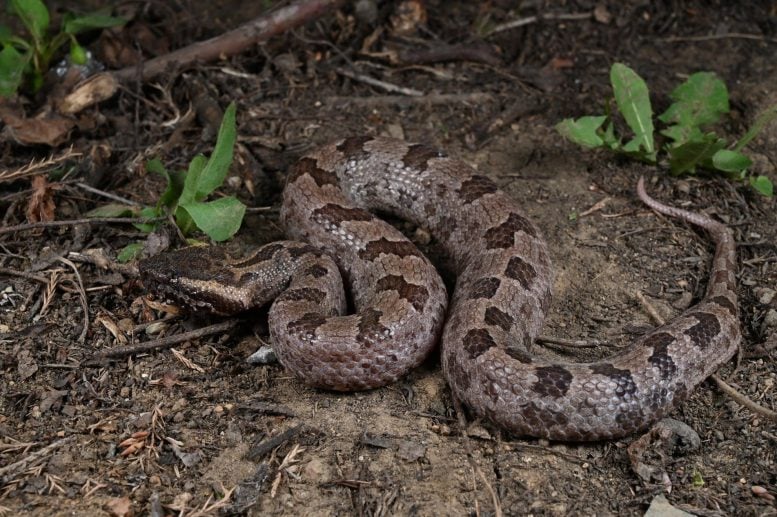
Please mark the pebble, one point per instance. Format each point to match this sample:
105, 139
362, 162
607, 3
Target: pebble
660, 507
770, 320
764, 294
265, 355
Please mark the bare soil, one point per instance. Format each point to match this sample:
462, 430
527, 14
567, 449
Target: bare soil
197, 429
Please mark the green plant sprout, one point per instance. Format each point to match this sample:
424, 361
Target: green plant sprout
186, 193
699, 102
21, 58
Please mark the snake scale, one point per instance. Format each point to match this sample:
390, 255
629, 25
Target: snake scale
503, 284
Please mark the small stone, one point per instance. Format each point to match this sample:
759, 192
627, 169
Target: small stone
155, 328
764, 294
315, 470
179, 404
660, 507
762, 493
265, 355
366, 11
770, 321
683, 302
422, 236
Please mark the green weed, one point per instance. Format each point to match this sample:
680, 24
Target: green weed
684, 141
186, 195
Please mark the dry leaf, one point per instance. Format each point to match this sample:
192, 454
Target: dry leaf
119, 507
91, 91
409, 15
41, 205
51, 130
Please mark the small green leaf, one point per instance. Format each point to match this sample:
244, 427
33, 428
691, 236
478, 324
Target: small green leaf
183, 220
34, 15
192, 180
764, 119
147, 212
173, 183
697, 479
77, 24
130, 252
77, 53
172, 193
682, 134
212, 176
699, 101
156, 166
12, 64
631, 95
219, 219
686, 157
583, 131
112, 210
731, 161
610, 140
762, 185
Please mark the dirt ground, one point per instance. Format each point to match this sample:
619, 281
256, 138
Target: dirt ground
195, 430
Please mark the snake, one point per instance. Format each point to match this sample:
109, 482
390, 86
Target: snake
356, 305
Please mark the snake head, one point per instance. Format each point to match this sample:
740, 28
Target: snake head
195, 279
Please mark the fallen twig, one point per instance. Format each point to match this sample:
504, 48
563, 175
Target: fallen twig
162, 343
652, 312
402, 100
81, 296
73, 222
10, 470
232, 42
271, 443
540, 17
108, 195
743, 400
389, 87
730, 35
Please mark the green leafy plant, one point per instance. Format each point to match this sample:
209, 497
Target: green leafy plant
685, 141
185, 197
22, 58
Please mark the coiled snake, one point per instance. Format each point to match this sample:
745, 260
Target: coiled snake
503, 281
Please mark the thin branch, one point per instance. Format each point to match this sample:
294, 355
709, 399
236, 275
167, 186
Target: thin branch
389, 87
108, 195
730, 35
232, 42
402, 100
162, 343
13, 468
533, 19
73, 222
743, 400
82, 297
652, 312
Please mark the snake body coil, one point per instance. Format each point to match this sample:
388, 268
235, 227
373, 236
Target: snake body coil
503, 281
